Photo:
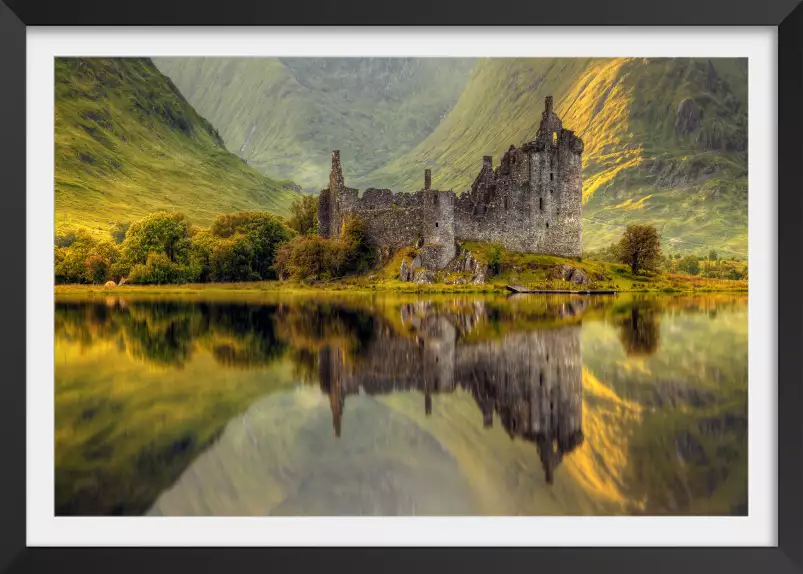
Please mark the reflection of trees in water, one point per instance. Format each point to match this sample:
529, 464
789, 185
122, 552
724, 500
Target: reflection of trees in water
161, 332
639, 329
242, 335
167, 332
517, 359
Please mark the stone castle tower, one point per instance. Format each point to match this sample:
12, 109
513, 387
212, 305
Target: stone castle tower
532, 202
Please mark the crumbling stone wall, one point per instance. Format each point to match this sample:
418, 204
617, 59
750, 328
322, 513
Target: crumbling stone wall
532, 202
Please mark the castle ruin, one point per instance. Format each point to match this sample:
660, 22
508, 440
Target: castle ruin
531, 202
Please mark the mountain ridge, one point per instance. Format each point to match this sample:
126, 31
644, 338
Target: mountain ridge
285, 115
127, 143
663, 136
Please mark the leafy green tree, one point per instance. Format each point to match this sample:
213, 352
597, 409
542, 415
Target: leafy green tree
712, 255
690, 265
161, 233
99, 262
734, 274
202, 246
158, 269
359, 253
86, 259
310, 258
304, 215
264, 231
231, 260
66, 235
640, 247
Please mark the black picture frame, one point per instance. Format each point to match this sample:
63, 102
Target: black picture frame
15, 15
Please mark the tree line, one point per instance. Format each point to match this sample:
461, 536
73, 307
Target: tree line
640, 248
164, 248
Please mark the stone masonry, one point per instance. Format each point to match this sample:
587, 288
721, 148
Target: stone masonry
531, 202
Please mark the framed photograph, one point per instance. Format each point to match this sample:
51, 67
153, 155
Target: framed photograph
517, 286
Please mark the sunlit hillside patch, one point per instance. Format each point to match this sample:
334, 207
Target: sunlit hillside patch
128, 144
625, 110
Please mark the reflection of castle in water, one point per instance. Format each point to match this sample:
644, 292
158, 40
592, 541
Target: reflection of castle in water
531, 380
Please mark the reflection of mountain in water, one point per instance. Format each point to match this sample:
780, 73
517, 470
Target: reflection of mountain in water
532, 380
145, 386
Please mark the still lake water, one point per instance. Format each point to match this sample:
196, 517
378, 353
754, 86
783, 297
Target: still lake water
401, 405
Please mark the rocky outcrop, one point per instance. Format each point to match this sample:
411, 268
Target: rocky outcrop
689, 117
566, 272
405, 273
424, 277
465, 262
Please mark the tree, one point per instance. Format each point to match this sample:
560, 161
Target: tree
231, 260
304, 218
160, 232
359, 253
264, 232
86, 259
712, 255
640, 248
690, 265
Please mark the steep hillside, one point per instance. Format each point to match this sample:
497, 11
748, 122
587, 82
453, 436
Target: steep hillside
665, 142
127, 143
285, 116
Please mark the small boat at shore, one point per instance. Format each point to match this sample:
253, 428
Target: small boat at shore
522, 289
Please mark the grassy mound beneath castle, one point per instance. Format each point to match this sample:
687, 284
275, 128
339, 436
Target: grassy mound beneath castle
526, 269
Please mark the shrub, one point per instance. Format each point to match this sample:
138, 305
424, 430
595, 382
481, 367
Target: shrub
734, 274
158, 269
690, 265
304, 215
495, 259
86, 260
357, 251
66, 235
310, 257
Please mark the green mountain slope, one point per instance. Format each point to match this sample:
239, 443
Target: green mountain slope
285, 116
665, 142
127, 143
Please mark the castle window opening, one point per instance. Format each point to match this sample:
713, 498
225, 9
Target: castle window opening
551, 176
541, 203
547, 225
436, 224
554, 138
505, 202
